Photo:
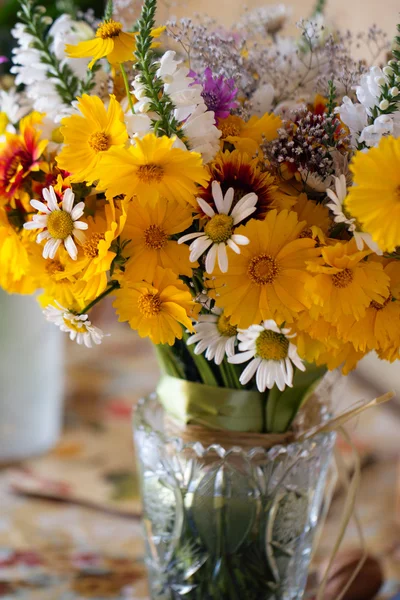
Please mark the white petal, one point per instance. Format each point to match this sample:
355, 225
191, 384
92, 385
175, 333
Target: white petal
50, 248
271, 374
40, 206
33, 225
43, 235
261, 378
222, 258
80, 225
289, 371
198, 247
243, 215
78, 211
218, 196
68, 201
211, 258
220, 352
50, 196
233, 246
241, 240
229, 196
205, 207
249, 371
71, 247
241, 357
190, 236
79, 235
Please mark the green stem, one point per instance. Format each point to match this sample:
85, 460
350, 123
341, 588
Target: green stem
113, 286
206, 373
167, 361
233, 375
225, 375
126, 84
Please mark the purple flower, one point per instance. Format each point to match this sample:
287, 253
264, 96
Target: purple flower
219, 93
3, 59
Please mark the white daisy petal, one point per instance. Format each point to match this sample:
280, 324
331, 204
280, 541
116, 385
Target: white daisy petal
249, 371
43, 235
229, 196
218, 196
241, 358
199, 247
78, 211
222, 258
211, 258
240, 240
233, 246
68, 202
190, 236
40, 206
205, 207
71, 248
81, 225
69, 322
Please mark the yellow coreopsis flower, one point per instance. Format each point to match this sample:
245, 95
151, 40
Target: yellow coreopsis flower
152, 169
158, 309
111, 42
266, 280
374, 199
344, 282
90, 136
247, 136
150, 230
95, 254
315, 215
379, 329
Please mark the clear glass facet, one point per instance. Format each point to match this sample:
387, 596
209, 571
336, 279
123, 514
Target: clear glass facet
228, 524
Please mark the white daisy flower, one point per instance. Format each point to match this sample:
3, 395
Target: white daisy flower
336, 206
79, 327
215, 335
60, 225
272, 354
219, 230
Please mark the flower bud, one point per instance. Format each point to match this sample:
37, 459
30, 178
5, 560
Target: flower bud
388, 71
394, 91
384, 104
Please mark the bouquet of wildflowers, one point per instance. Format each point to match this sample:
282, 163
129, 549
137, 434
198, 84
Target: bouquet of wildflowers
236, 192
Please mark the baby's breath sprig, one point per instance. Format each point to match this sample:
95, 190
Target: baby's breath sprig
160, 102
36, 24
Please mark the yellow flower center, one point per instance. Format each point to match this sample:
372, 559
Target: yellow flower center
263, 269
272, 346
378, 306
224, 327
99, 141
54, 266
306, 233
231, 126
219, 228
91, 246
150, 173
109, 29
60, 224
343, 278
150, 305
155, 237
77, 326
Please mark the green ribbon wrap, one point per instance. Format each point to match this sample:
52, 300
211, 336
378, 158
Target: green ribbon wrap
213, 407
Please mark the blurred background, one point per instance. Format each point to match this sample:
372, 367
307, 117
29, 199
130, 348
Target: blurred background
69, 517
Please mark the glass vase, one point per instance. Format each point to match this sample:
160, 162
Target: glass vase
228, 523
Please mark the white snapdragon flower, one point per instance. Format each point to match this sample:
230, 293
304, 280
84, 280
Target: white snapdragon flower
354, 116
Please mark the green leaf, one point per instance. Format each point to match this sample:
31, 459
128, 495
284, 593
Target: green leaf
282, 407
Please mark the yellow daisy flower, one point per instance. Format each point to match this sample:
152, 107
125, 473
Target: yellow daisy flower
379, 329
266, 280
158, 310
152, 169
345, 283
111, 42
90, 136
150, 230
374, 200
247, 136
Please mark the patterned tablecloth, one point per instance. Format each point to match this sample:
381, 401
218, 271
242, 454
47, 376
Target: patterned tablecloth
69, 521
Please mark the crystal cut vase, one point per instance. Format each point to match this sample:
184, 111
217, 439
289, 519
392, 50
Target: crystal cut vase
228, 524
